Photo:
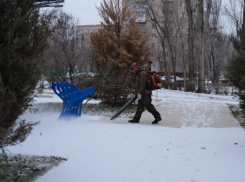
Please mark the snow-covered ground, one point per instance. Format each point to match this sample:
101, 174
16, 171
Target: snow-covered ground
110, 151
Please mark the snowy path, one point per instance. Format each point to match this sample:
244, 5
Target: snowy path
197, 141
188, 113
102, 152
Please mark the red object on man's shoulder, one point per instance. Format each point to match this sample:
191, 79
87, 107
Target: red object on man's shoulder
155, 80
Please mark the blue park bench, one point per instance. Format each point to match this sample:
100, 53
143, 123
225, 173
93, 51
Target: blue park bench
72, 98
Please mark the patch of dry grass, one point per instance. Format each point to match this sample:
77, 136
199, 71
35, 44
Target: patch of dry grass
238, 114
26, 168
99, 109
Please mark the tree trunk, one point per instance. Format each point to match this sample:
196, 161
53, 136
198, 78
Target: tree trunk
190, 45
173, 63
70, 73
202, 26
165, 63
214, 65
201, 79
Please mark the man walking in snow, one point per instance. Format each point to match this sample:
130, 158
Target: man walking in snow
143, 94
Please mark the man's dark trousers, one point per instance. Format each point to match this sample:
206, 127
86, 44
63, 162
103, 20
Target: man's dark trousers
145, 101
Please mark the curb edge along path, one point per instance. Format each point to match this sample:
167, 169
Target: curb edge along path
177, 113
197, 95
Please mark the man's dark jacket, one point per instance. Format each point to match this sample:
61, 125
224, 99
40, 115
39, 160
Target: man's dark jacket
142, 81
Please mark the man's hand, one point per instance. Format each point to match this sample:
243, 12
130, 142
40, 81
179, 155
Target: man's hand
139, 96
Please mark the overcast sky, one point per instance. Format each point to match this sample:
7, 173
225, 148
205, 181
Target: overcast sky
84, 10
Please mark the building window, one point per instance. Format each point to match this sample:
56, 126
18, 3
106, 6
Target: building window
138, 6
141, 24
153, 35
87, 31
140, 15
182, 5
166, 54
181, 15
154, 6
82, 38
153, 25
180, 66
153, 45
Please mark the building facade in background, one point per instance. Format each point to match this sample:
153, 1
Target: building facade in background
83, 31
171, 15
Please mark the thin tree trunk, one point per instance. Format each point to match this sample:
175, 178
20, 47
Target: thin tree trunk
190, 45
173, 62
202, 25
70, 73
201, 85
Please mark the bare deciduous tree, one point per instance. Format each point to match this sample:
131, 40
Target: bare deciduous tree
203, 23
67, 51
169, 26
234, 11
191, 9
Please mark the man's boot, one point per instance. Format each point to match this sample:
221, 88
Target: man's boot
134, 120
157, 119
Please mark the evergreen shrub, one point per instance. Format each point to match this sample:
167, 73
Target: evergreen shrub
23, 38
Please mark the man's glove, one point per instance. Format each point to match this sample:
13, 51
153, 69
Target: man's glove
139, 96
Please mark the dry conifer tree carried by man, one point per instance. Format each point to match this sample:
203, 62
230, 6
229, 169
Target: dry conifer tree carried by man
143, 93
